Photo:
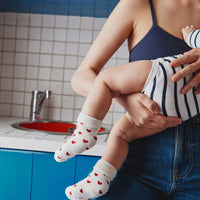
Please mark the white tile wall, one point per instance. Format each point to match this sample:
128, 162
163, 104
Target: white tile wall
41, 52
10, 18
35, 20
45, 60
20, 58
48, 20
74, 22
47, 34
61, 21
22, 19
34, 33
22, 33
7, 71
19, 72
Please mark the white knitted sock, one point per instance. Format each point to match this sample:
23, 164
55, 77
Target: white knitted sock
193, 39
84, 137
95, 185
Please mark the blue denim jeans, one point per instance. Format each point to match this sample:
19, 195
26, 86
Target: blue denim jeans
165, 166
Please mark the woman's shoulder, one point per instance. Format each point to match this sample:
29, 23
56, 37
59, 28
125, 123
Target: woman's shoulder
135, 3
134, 7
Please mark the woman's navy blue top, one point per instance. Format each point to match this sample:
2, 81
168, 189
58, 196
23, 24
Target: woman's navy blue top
157, 43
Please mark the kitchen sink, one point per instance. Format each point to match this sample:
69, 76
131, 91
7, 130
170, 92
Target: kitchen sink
51, 127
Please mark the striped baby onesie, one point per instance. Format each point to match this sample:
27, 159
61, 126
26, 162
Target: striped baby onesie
194, 39
166, 93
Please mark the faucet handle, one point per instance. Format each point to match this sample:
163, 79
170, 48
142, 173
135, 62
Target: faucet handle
48, 94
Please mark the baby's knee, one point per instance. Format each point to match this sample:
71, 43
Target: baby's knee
102, 77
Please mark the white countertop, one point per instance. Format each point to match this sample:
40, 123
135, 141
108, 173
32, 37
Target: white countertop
12, 138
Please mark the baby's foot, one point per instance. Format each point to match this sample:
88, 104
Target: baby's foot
84, 138
95, 185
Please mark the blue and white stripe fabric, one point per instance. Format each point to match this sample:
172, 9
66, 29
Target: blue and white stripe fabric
194, 39
166, 93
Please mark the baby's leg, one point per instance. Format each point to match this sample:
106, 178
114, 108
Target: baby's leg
191, 36
123, 132
97, 183
122, 79
84, 137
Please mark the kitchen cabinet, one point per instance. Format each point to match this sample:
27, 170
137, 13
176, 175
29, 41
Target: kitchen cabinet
29, 175
50, 178
84, 165
15, 174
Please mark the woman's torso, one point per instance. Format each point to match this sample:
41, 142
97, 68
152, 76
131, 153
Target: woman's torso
172, 156
152, 38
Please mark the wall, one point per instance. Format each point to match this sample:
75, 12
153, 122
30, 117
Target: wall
41, 51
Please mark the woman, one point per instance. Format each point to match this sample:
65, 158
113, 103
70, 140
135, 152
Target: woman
153, 29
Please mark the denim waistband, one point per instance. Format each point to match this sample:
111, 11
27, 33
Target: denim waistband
192, 121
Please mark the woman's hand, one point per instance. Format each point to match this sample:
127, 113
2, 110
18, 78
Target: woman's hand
192, 58
145, 113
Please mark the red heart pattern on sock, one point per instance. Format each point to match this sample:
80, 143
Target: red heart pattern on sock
96, 184
85, 141
95, 137
99, 182
83, 138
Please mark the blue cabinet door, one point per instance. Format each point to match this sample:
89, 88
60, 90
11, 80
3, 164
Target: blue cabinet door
84, 165
15, 174
50, 178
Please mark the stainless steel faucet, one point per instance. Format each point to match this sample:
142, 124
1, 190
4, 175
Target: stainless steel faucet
38, 98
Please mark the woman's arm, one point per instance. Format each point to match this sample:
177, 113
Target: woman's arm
144, 112
193, 59
116, 30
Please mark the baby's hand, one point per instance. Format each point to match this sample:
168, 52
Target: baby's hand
186, 32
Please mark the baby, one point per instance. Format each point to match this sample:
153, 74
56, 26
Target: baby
150, 77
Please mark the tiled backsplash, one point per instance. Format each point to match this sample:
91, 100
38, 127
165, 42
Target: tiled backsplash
41, 52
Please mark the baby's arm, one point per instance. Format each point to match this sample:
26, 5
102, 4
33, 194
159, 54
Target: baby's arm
191, 36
